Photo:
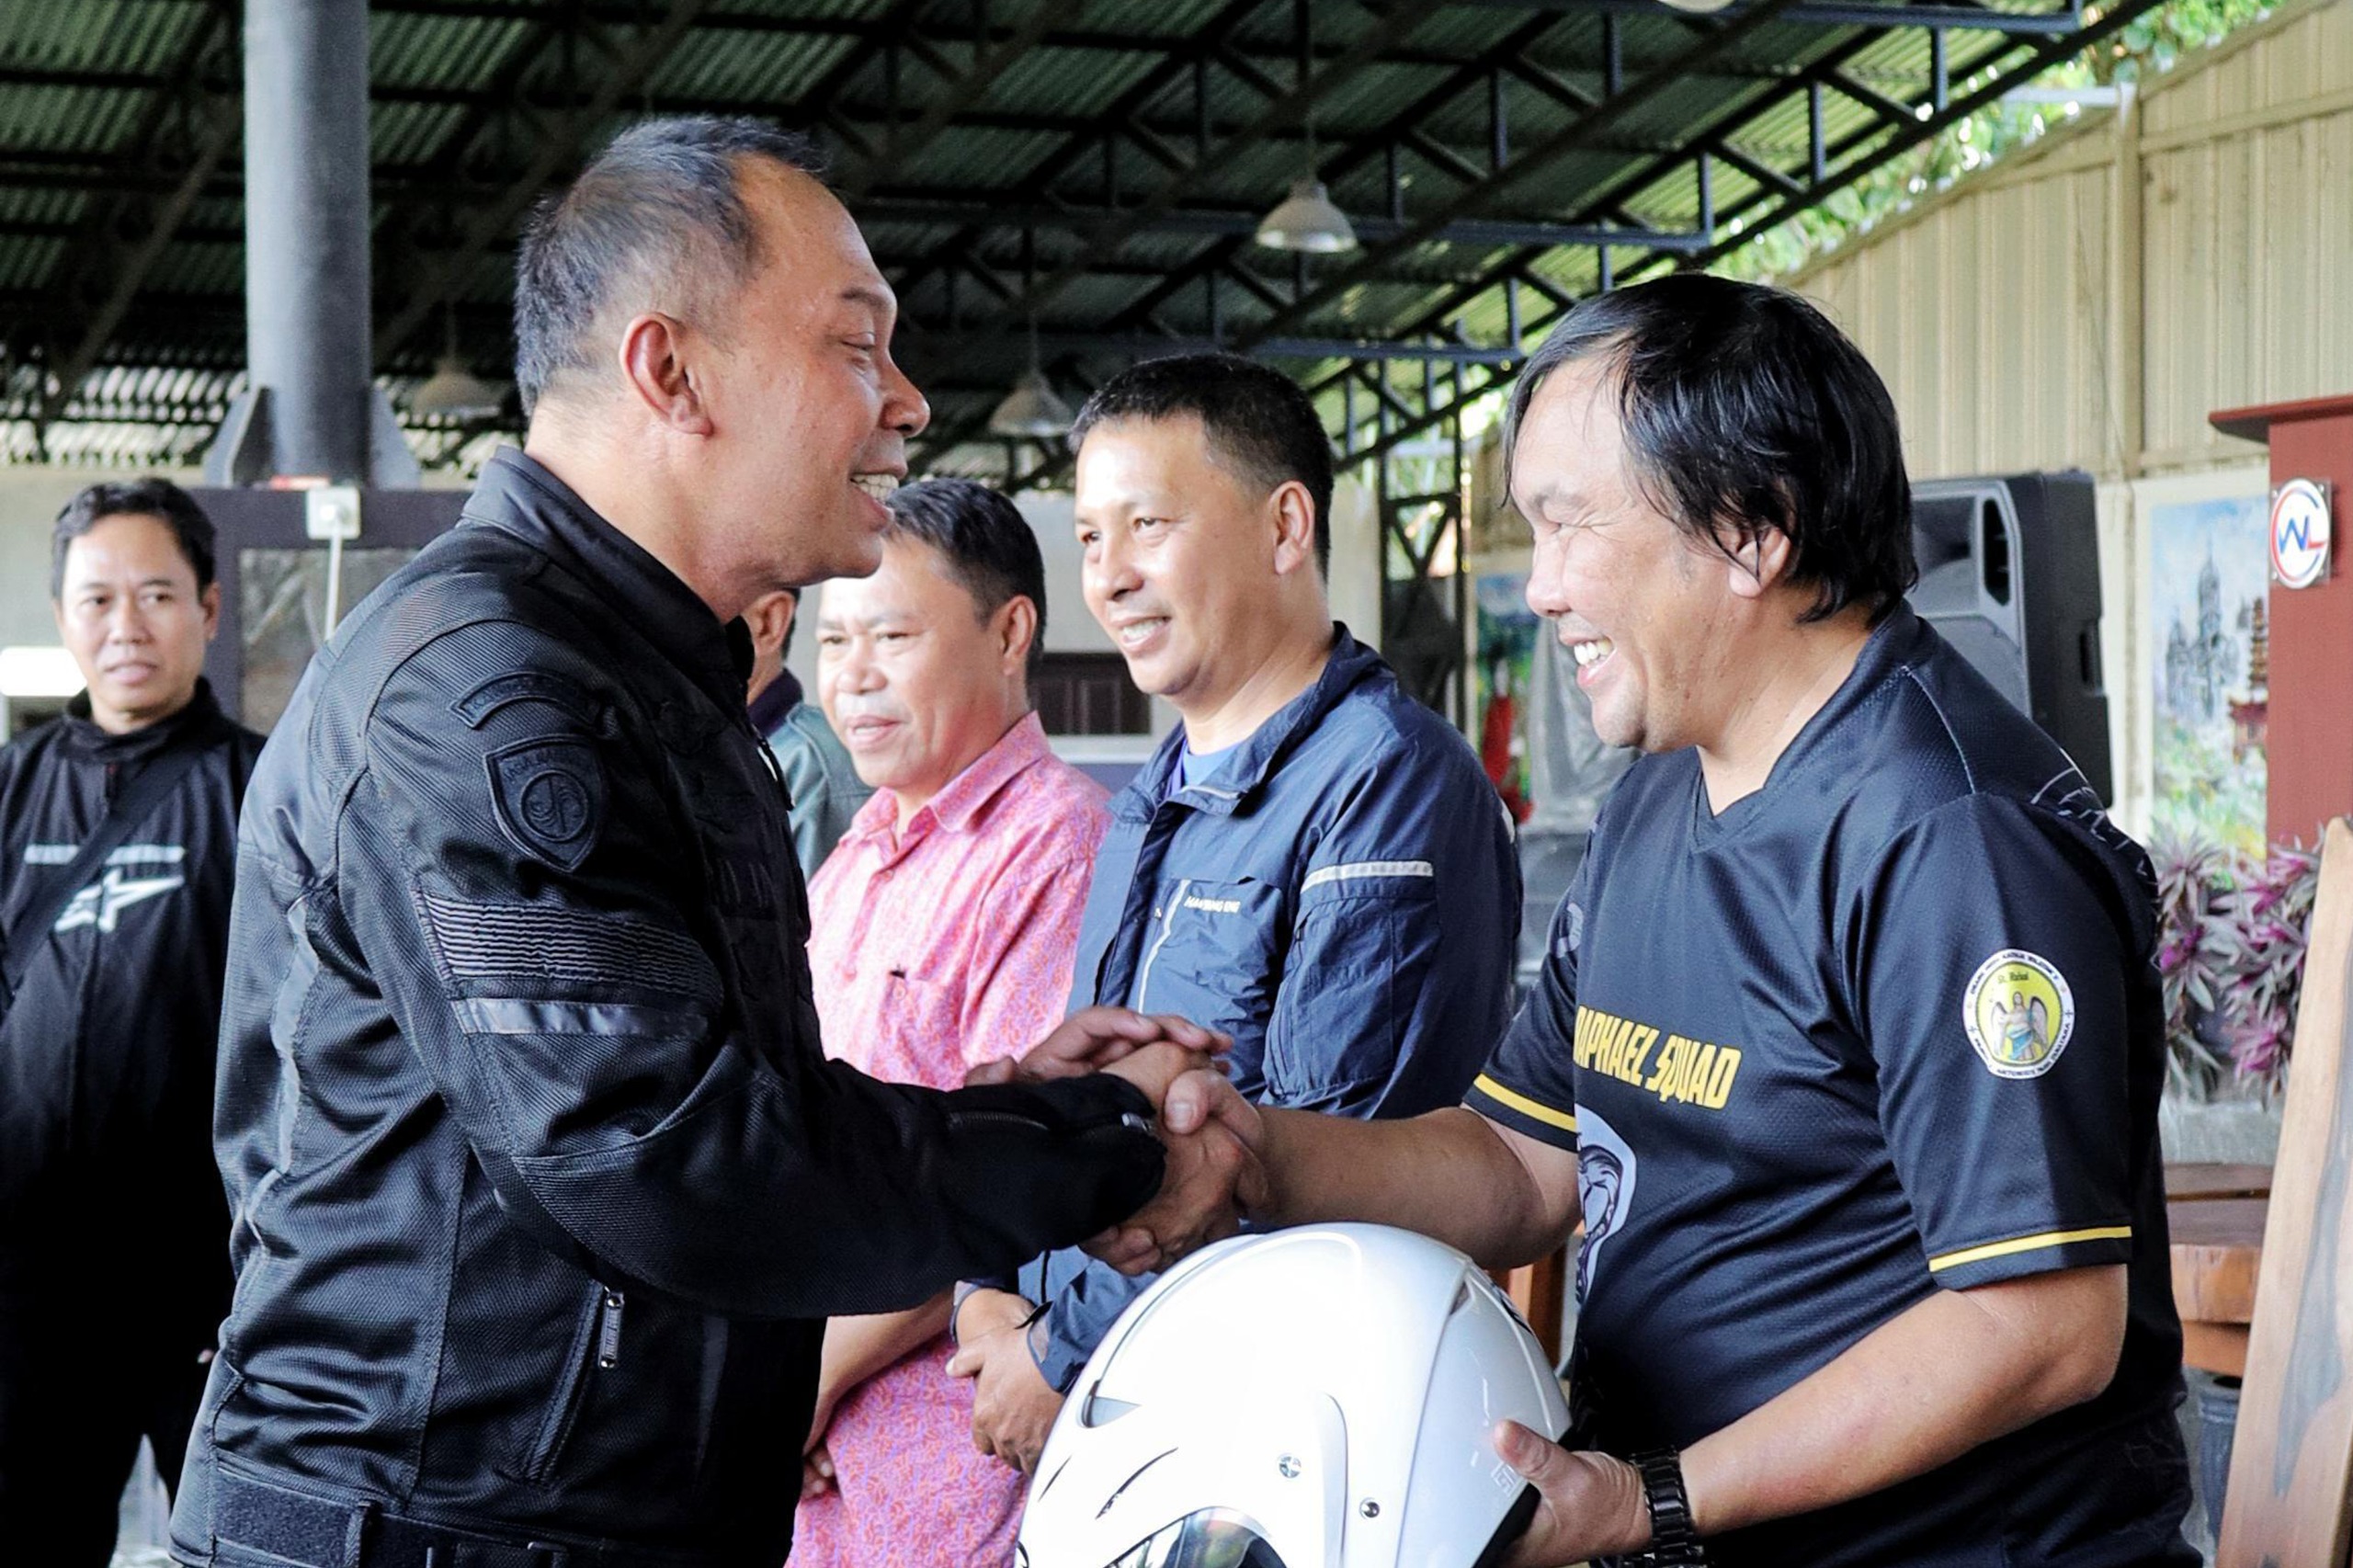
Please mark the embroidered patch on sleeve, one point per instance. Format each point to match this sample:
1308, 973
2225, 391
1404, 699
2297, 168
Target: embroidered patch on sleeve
2019, 1013
518, 946
549, 796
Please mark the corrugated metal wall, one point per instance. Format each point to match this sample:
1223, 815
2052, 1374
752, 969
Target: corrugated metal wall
2090, 302
2247, 169
1990, 316
2087, 304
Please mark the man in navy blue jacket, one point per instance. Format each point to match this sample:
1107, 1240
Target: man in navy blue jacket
1312, 862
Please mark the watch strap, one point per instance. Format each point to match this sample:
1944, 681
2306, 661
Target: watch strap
1673, 1540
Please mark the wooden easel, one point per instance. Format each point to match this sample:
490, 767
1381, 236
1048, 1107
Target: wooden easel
2288, 1504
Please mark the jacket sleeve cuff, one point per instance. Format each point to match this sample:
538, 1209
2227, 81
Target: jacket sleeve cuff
1078, 1318
1060, 1357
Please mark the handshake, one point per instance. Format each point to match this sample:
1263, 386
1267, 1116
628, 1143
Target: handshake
1212, 1135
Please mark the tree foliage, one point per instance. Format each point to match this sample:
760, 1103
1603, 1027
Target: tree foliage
2149, 46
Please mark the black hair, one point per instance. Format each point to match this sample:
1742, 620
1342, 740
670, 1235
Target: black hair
988, 545
1745, 409
141, 497
662, 209
1258, 422
791, 626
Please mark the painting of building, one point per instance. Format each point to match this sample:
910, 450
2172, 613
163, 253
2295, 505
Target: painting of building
2209, 598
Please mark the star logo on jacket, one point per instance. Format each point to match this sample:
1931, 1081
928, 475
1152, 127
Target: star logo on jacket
2019, 1013
102, 903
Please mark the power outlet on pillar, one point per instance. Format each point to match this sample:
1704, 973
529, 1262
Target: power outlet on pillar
331, 512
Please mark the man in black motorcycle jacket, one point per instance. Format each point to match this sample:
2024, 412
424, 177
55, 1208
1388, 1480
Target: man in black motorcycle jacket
118, 847
541, 1185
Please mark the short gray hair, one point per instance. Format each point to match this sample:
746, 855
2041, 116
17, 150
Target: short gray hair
662, 208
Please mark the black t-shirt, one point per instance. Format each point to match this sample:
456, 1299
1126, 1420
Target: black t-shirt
1891, 1024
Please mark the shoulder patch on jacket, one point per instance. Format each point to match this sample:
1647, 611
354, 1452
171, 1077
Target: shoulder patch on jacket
531, 685
549, 796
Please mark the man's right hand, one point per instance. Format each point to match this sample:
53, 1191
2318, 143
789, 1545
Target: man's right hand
1212, 1136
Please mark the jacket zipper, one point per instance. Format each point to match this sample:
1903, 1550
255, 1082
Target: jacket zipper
968, 1118
1167, 929
608, 1331
600, 1352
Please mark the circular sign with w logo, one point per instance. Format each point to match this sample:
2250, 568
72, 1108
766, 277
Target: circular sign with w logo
2300, 533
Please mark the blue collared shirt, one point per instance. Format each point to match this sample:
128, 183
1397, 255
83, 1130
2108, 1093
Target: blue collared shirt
1339, 892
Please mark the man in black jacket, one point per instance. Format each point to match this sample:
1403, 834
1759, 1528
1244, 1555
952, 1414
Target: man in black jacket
541, 1184
113, 1263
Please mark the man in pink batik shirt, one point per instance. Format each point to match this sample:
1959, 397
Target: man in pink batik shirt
942, 931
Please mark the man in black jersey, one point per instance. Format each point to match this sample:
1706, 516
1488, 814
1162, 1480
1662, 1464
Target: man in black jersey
1851, 1015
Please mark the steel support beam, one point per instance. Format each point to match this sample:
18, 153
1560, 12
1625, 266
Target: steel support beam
422, 214
1911, 131
1578, 135
1578, 101
189, 132
1627, 187
1184, 59
1833, 14
434, 192
937, 30
1290, 110
1716, 141
900, 151
1144, 345
630, 65
1216, 260
1090, 221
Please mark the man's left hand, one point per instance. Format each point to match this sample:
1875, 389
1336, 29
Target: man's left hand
1588, 1505
1013, 1407
817, 1476
1094, 1038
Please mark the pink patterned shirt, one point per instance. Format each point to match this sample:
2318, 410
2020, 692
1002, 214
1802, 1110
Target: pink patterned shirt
934, 950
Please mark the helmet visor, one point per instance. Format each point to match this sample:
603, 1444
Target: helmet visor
1214, 1538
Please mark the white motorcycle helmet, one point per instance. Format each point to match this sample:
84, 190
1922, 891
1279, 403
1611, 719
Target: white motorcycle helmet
1315, 1398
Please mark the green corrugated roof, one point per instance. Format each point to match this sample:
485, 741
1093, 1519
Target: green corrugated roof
96, 127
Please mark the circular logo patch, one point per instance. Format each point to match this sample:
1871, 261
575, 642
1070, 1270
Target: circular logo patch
556, 806
2020, 1013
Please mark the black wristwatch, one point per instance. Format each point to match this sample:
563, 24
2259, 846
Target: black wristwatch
1672, 1540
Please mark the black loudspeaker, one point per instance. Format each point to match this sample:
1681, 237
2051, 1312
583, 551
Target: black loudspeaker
2009, 573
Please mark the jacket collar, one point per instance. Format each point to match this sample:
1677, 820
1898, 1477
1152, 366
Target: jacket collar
964, 796
518, 496
1253, 761
83, 738
776, 702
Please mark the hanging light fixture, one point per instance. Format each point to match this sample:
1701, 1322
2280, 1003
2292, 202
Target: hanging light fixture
1306, 221
1032, 409
452, 392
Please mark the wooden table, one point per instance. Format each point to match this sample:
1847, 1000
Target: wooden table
2216, 1215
